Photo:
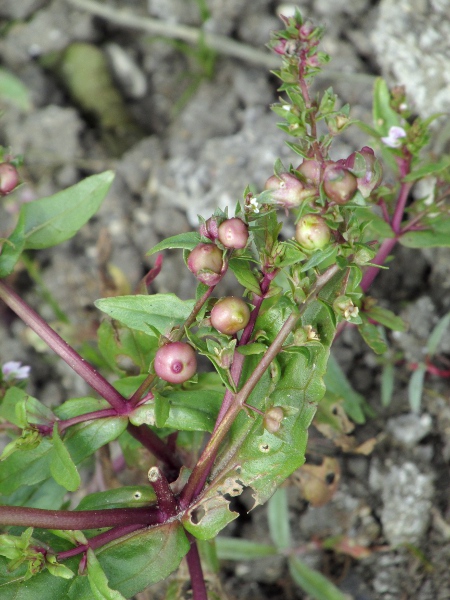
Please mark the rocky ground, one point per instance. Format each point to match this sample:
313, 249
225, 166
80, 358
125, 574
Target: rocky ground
186, 130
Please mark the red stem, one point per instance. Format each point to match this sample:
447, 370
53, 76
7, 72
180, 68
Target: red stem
196, 573
99, 540
83, 519
62, 349
167, 503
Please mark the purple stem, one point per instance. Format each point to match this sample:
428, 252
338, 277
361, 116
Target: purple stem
96, 414
83, 519
196, 572
156, 446
99, 540
63, 350
167, 503
238, 359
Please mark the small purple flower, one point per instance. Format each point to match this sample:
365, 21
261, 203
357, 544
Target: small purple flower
14, 370
393, 139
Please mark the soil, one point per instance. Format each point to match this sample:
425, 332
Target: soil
192, 134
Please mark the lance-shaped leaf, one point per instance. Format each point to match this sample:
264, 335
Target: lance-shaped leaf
62, 467
160, 311
49, 221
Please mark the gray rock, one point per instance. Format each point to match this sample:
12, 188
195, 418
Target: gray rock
409, 429
406, 495
412, 43
49, 136
12, 9
50, 30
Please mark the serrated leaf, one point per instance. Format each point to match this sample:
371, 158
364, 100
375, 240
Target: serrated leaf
229, 548
161, 311
437, 334
384, 116
337, 383
415, 387
49, 221
133, 496
373, 338
386, 317
98, 581
278, 517
312, 582
429, 238
244, 274
387, 384
13, 91
318, 258
185, 241
427, 169
189, 410
62, 467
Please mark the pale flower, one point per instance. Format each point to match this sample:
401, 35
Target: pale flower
14, 370
393, 139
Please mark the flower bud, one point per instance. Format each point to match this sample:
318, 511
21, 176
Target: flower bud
9, 178
287, 190
175, 362
205, 261
230, 315
233, 233
210, 229
343, 306
339, 184
312, 232
272, 419
311, 171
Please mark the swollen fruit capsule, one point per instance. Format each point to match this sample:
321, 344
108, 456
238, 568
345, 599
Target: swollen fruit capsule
175, 362
312, 232
230, 315
339, 184
9, 178
233, 233
205, 261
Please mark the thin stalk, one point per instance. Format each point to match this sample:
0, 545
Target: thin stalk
238, 359
167, 503
196, 573
99, 540
91, 416
62, 349
203, 467
156, 446
73, 519
176, 337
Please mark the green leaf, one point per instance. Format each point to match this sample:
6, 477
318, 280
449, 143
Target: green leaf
278, 516
13, 91
386, 317
162, 409
13, 397
189, 410
47, 494
49, 221
415, 387
244, 274
186, 241
312, 582
337, 384
229, 548
116, 343
84, 439
252, 456
62, 467
161, 311
133, 496
249, 349
136, 561
387, 384
373, 338
26, 467
384, 116
430, 168
318, 257
425, 239
98, 581
437, 334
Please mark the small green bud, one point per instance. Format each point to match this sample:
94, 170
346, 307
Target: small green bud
312, 232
